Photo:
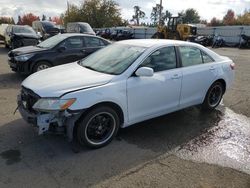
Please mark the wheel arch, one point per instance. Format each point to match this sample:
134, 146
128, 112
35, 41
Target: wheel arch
222, 81
32, 65
112, 105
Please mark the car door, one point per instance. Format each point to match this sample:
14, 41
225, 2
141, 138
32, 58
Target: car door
153, 96
92, 44
73, 50
199, 71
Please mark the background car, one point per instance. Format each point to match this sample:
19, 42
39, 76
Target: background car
45, 28
17, 36
124, 35
80, 27
120, 34
57, 50
122, 84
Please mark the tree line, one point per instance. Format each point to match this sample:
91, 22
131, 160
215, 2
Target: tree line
107, 13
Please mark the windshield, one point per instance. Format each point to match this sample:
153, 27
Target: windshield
23, 30
113, 59
48, 25
52, 41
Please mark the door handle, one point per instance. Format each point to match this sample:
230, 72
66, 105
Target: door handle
175, 76
212, 68
83, 51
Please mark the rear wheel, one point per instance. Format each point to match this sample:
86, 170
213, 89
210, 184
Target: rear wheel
98, 128
41, 66
213, 96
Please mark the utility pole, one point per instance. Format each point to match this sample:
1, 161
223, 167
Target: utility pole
160, 12
68, 7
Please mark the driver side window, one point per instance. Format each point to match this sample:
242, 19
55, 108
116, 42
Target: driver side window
161, 60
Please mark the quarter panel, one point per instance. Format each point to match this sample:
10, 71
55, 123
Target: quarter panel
196, 81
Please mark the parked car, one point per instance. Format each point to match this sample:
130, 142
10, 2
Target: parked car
80, 27
124, 35
122, 84
119, 34
106, 33
114, 33
17, 36
45, 28
57, 50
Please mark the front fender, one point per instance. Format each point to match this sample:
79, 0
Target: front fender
111, 92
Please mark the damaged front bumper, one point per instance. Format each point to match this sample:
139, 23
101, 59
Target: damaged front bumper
57, 121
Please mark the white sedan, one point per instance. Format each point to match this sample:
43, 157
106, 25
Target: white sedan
123, 84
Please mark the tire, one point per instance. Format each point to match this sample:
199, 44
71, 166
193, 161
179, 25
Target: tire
98, 127
41, 66
213, 96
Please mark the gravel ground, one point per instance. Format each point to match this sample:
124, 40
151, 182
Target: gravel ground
176, 150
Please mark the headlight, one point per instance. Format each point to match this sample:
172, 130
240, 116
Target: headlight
53, 104
24, 57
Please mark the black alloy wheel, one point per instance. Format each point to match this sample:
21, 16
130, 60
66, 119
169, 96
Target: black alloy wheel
98, 127
213, 96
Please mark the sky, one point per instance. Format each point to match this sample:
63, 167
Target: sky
207, 8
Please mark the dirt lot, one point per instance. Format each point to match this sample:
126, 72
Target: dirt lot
188, 148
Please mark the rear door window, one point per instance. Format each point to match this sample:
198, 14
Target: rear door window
190, 56
93, 42
206, 58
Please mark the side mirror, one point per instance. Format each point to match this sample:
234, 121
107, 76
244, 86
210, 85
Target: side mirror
144, 72
61, 48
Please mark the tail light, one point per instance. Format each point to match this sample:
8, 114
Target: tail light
232, 66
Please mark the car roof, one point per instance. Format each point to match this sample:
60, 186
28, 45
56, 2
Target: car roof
78, 34
155, 42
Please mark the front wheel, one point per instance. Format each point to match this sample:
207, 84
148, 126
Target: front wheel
98, 128
213, 96
41, 66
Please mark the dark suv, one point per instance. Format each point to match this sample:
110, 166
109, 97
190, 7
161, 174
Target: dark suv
45, 28
57, 50
17, 36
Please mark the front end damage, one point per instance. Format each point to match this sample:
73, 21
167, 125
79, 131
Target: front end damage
58, 121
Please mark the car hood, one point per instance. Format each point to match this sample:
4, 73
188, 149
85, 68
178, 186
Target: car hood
26, 50
56, 81
27, 35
